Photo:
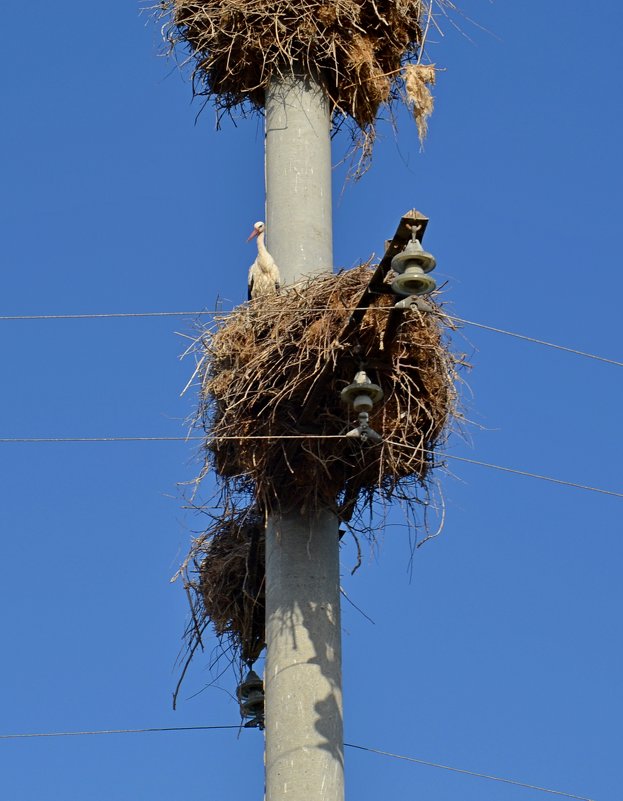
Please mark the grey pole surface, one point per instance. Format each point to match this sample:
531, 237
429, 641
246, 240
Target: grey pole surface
298, 178
303, 674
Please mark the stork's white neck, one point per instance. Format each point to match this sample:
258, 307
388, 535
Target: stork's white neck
261, 247
264, 259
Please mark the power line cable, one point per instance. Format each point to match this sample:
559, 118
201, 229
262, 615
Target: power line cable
166, 439
346, 745
467, 772
544, 342
105, 315
515, 471
551, 479
490, 465
483, 326
36, 440
111, 731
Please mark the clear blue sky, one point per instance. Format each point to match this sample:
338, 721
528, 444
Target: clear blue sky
502, 653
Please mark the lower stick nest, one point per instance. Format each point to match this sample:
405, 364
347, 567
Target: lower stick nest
223, 577
271, 373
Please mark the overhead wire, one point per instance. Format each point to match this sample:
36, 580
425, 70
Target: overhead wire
536, 341
551, 479
490, 465
104, 315
204, 312
468, 772
517, 472
111, 731
172, 439
377, 751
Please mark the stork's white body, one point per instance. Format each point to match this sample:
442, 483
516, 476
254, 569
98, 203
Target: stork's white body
264, 278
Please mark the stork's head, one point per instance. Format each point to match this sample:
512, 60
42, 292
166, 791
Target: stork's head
258, 229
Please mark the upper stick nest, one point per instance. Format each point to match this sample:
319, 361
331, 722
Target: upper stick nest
262, 364
355, 48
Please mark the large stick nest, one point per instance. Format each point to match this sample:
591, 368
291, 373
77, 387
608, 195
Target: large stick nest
270, 405
356, 48
270, 378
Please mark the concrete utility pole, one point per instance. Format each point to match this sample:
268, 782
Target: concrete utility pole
303, 678
298, 177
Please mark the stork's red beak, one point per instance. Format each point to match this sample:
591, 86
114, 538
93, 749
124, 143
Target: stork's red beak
253, 234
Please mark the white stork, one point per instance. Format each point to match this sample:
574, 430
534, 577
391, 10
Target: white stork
264, 278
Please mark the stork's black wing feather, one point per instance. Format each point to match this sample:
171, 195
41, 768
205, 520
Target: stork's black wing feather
250, 290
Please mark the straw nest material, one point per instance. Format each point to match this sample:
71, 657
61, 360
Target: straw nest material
224, 575
357, 49
270, 377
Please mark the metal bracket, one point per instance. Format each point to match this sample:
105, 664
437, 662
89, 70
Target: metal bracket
414, 302
363, 430
375, 287
404, 233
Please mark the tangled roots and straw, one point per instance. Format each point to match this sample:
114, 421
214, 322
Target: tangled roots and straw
355, 48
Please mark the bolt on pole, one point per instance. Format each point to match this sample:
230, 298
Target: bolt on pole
303, 674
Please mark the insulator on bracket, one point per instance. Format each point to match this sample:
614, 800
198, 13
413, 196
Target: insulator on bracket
251, 699
362, 395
